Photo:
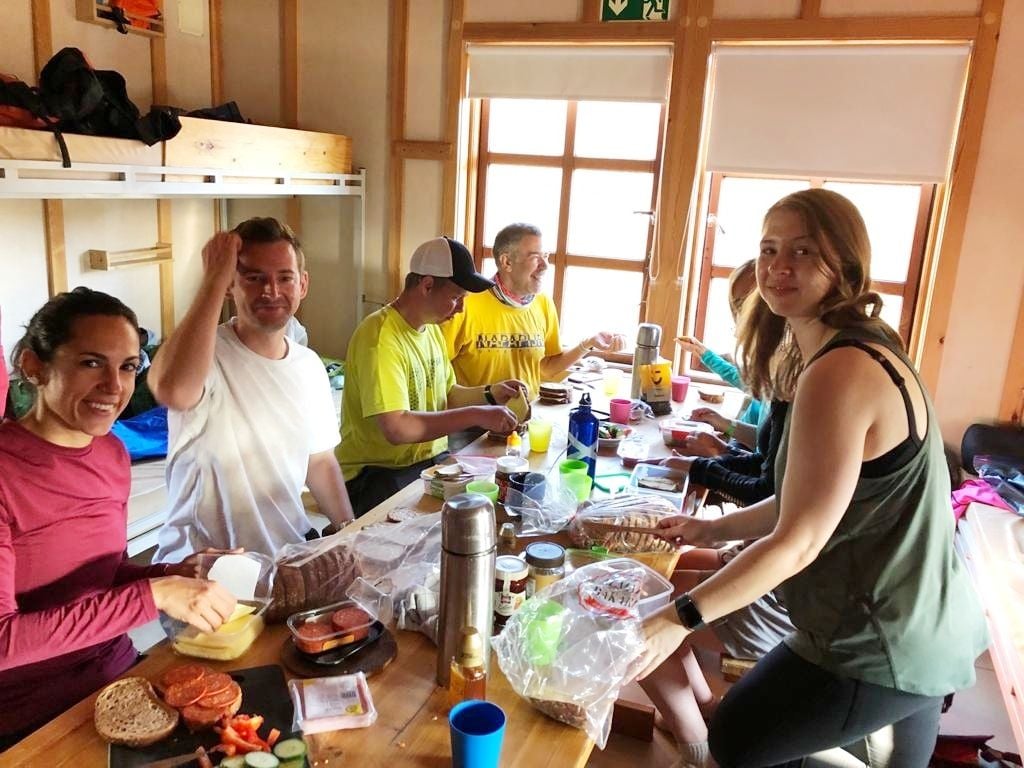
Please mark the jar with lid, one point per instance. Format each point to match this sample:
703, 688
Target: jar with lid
510, 574
506, 467
546, 563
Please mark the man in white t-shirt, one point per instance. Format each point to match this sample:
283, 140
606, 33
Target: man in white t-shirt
251, 417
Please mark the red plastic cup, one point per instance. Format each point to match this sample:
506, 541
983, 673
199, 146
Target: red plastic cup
680, 384
619, 408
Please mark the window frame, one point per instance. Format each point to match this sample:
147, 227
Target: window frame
560, 259
909, 290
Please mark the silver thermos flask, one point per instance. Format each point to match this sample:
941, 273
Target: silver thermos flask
648, 348
467, 576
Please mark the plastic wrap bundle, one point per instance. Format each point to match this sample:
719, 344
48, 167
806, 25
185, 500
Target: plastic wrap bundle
546, 509
403, 562
570, 648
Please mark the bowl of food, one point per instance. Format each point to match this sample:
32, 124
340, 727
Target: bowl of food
610, 435
674, 432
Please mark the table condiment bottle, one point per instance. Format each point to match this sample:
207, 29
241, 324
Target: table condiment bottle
514, 444
468, 676
507, 539
467, 575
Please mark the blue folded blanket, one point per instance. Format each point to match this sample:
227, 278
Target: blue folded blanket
145, 435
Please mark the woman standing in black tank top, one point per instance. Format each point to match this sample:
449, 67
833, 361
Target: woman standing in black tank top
859, 534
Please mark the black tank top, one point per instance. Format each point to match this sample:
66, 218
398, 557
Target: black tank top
898, 456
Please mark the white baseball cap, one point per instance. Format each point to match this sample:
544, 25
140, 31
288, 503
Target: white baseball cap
444, 257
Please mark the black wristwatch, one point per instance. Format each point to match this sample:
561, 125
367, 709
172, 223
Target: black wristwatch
488, 396
688, 612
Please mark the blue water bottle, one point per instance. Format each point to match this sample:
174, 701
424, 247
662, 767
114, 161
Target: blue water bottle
583, 426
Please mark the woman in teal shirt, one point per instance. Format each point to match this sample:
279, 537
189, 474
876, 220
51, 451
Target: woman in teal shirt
860, 532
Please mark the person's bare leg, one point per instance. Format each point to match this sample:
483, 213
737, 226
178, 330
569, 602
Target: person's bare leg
671, 691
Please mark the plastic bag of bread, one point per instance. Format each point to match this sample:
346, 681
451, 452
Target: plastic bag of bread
570, 648
312, 574
622, 524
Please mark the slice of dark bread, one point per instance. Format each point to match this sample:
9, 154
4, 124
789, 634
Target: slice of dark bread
128, 712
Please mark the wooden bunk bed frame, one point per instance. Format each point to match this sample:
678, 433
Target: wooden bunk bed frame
207, 159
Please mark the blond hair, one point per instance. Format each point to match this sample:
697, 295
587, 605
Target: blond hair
771, 358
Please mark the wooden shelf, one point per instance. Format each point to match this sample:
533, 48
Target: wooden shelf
91, 10
107, 260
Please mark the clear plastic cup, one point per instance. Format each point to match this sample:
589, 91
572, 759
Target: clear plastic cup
612, 381
540, 435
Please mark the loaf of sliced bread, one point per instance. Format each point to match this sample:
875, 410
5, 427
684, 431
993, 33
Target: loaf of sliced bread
128, 712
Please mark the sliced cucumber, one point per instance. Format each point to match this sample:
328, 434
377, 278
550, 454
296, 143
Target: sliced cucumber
290, 749
235, 761
261, 760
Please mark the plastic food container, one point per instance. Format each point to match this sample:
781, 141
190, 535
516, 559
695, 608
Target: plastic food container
231, 639
664, 481
631, 450
655, 592
323, 629
234, 636
332, 703
675, 432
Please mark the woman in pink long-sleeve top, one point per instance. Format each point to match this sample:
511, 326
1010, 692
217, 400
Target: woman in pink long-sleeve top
67, 594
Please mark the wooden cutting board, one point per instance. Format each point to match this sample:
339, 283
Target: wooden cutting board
264, 692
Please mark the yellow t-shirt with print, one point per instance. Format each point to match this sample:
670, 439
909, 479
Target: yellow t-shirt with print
490, 341
390, 366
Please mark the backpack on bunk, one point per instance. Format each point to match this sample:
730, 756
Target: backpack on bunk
95, 102
20, 104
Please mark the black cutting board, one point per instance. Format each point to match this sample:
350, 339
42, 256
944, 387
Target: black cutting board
264, 692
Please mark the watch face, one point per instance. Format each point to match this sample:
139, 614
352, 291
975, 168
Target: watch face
688, 612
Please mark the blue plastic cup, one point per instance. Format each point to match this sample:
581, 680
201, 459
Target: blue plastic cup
477, 729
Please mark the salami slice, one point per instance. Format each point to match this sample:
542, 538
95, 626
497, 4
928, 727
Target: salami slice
353, 620
222, 699
186, 673
314, 637
181, 695
217, 683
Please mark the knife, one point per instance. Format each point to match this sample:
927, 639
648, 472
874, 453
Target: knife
174, 762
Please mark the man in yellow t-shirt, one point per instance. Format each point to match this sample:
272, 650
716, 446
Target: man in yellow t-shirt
511, 330
400, 399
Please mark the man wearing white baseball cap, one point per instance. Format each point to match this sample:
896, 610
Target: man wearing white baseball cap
400, 400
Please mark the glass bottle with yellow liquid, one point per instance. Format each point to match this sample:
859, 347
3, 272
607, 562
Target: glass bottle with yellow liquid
468, 679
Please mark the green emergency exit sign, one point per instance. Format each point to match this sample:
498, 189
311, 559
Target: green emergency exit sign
634, 10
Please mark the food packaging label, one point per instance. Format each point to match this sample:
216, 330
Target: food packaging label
656, 382
332, 696
615, 595
238, 574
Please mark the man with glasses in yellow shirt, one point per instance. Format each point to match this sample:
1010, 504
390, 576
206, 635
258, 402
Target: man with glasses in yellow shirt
511, 330
400, 400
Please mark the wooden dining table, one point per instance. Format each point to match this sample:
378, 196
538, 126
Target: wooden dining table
411, 728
